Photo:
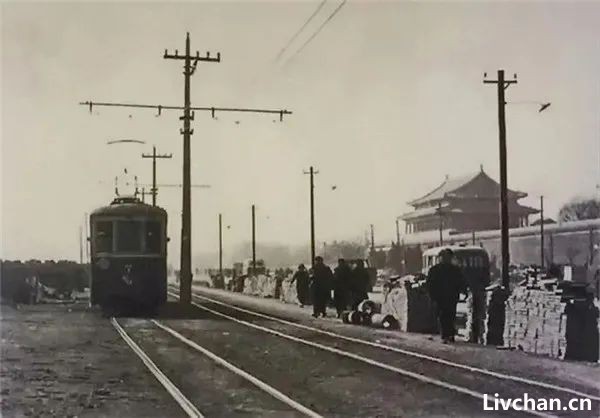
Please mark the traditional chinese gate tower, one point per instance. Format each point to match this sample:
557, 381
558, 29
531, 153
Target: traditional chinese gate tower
465, 204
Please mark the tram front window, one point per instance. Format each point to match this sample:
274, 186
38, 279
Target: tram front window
153, 237
129, 236
104, 236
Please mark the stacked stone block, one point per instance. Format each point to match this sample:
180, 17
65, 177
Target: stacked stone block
288, 291
536, 322
260, 285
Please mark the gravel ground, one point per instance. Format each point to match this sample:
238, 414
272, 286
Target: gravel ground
214, 390
325, 382
68, 361
576, 375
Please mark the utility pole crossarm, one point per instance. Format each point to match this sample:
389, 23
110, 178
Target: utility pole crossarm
201, 186
196, 57
212, 109
506, 83
157, 156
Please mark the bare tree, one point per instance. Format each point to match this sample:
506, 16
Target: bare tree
580, 209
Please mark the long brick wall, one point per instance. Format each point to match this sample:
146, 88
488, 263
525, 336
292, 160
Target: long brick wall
567, 243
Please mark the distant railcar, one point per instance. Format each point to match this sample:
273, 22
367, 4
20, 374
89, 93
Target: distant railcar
474, 262
129, 256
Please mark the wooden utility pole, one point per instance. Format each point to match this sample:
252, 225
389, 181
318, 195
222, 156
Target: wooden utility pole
312, 173
220, 246
473, 236
591, 246
253, 240
86, 240
372, 238
190, 63
154, 156
502, 85
397, 232
551, 248
541, 232
441, 224
185, 292
80, 245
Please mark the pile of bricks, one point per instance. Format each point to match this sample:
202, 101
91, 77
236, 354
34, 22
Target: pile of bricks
260, 285
288, 292
536, 321
471, 325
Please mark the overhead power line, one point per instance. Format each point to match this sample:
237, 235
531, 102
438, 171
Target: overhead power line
119, 141
331, 16
293, 38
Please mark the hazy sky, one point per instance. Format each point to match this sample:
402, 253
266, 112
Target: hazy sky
387, 100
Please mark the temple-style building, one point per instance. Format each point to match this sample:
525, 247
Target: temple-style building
466, 204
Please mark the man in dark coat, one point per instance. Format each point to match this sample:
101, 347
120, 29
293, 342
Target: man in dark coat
360, 284
321, 286
445, 282
302, 280
341, 286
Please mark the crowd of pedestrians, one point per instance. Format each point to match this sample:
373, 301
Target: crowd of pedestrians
345, 287
348, 285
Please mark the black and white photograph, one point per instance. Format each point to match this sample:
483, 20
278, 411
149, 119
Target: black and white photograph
300, 208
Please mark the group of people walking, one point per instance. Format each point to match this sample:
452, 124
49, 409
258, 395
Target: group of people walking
345, 286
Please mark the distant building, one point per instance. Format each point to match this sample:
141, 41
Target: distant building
547, 221
465, 204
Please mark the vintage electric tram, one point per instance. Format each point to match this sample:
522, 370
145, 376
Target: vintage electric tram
128, 256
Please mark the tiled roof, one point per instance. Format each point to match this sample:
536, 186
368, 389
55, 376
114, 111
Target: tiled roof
429, 211
451, 185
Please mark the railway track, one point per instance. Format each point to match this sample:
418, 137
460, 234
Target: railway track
453, 364
455, 376
212, 375
293, 369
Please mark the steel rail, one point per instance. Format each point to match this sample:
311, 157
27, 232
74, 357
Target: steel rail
498, 375
404, 372
184, 402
